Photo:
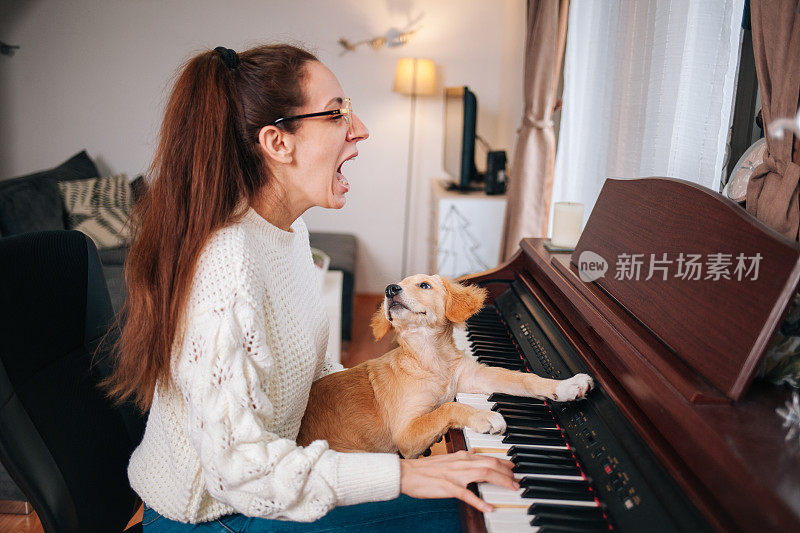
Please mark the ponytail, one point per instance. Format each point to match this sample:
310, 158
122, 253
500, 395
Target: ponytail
207, 169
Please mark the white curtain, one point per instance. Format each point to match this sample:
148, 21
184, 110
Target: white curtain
648, 91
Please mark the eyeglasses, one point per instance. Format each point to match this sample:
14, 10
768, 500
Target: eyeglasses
346, 111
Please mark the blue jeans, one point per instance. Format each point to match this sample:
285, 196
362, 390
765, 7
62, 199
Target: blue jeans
401, 514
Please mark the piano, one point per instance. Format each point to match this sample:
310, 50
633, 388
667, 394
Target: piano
677, 435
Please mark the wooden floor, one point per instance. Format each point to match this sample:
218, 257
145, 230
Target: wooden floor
359, 349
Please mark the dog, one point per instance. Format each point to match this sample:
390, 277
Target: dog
403, 400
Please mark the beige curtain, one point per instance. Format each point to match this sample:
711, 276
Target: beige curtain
531, 175
772, 193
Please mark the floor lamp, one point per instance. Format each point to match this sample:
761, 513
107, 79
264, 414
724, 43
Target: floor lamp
414, 77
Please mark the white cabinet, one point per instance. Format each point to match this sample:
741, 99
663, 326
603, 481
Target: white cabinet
466, 230
332, 296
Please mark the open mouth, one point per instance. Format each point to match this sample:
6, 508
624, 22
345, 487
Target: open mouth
340, 179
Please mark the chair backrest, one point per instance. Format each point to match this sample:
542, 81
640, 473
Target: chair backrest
62, 441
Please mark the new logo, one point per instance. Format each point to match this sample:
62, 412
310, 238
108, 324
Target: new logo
591, 266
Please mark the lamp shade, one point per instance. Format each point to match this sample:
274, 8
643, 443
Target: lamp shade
415, 76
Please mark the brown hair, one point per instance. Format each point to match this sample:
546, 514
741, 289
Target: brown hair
206, 166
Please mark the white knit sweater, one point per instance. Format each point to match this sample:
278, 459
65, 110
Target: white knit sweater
220, 437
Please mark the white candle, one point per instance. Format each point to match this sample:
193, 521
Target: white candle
567, 222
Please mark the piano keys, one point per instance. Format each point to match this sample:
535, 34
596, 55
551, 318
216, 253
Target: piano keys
552, 477
675, 436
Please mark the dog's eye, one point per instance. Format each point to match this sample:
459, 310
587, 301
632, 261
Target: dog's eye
424, 285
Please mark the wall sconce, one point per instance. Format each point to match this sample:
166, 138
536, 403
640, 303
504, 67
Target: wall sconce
7, 49
391, 39
413, 77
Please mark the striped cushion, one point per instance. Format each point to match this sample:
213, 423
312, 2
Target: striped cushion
99, 207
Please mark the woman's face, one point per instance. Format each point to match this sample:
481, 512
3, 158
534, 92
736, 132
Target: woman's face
322, 144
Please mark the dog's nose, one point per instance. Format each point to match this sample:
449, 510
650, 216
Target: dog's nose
393, 289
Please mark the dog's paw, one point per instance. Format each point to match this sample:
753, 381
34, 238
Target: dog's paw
487, 422
573, 388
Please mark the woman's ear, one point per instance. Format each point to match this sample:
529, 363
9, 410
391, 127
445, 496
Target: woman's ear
277, 144
380, 324
462, 301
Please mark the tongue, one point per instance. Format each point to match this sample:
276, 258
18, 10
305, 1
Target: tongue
342, 181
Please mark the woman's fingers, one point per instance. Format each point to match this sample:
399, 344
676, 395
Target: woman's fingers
477, 474
469, 497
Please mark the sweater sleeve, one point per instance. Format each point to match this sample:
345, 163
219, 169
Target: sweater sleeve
329, 366
223, 373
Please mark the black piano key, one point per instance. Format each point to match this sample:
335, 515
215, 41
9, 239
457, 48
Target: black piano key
532, 410
489, 334
513, 429
571, 510
511, 355
498, 328
481, 345
567, 519
543, 457
500, 364
476, 335
566, 488
528, 422
508, 398
545, 468
485, 319
523, 449
532, 441
555, 494
576, 484
572, 529
492, 359
483, 338
505, 411
476, 340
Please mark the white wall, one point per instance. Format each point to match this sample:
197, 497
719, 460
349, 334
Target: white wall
95, 75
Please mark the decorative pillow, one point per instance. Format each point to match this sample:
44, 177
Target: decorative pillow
30, 204
99, 207
79, 166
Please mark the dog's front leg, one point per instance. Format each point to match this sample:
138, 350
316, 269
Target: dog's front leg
477, 378
419, 433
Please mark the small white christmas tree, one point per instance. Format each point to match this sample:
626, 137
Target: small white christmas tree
457, 254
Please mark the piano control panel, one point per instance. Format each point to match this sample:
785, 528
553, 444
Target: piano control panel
630, 482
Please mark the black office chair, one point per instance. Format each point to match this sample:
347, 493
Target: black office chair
62, 441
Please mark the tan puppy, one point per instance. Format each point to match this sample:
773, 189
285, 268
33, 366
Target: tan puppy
403, 400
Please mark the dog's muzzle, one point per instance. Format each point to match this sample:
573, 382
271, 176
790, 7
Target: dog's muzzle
393, 290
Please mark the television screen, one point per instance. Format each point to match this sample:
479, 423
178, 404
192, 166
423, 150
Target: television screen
460, 108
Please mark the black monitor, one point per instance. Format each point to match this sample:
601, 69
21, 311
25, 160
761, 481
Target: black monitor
460, 112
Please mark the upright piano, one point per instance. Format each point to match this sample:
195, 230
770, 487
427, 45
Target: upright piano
669, 302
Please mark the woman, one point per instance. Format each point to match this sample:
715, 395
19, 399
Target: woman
225, 328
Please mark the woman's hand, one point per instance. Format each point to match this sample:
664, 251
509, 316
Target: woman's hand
447, 476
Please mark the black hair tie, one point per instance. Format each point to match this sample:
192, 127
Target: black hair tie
229, 57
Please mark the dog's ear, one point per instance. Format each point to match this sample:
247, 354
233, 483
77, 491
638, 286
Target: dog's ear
462, 301
380, 324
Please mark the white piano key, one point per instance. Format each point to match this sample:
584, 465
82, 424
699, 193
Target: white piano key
466, 396
485, 440
494, 454
508, 521
481, 405
555, 476
500, 496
